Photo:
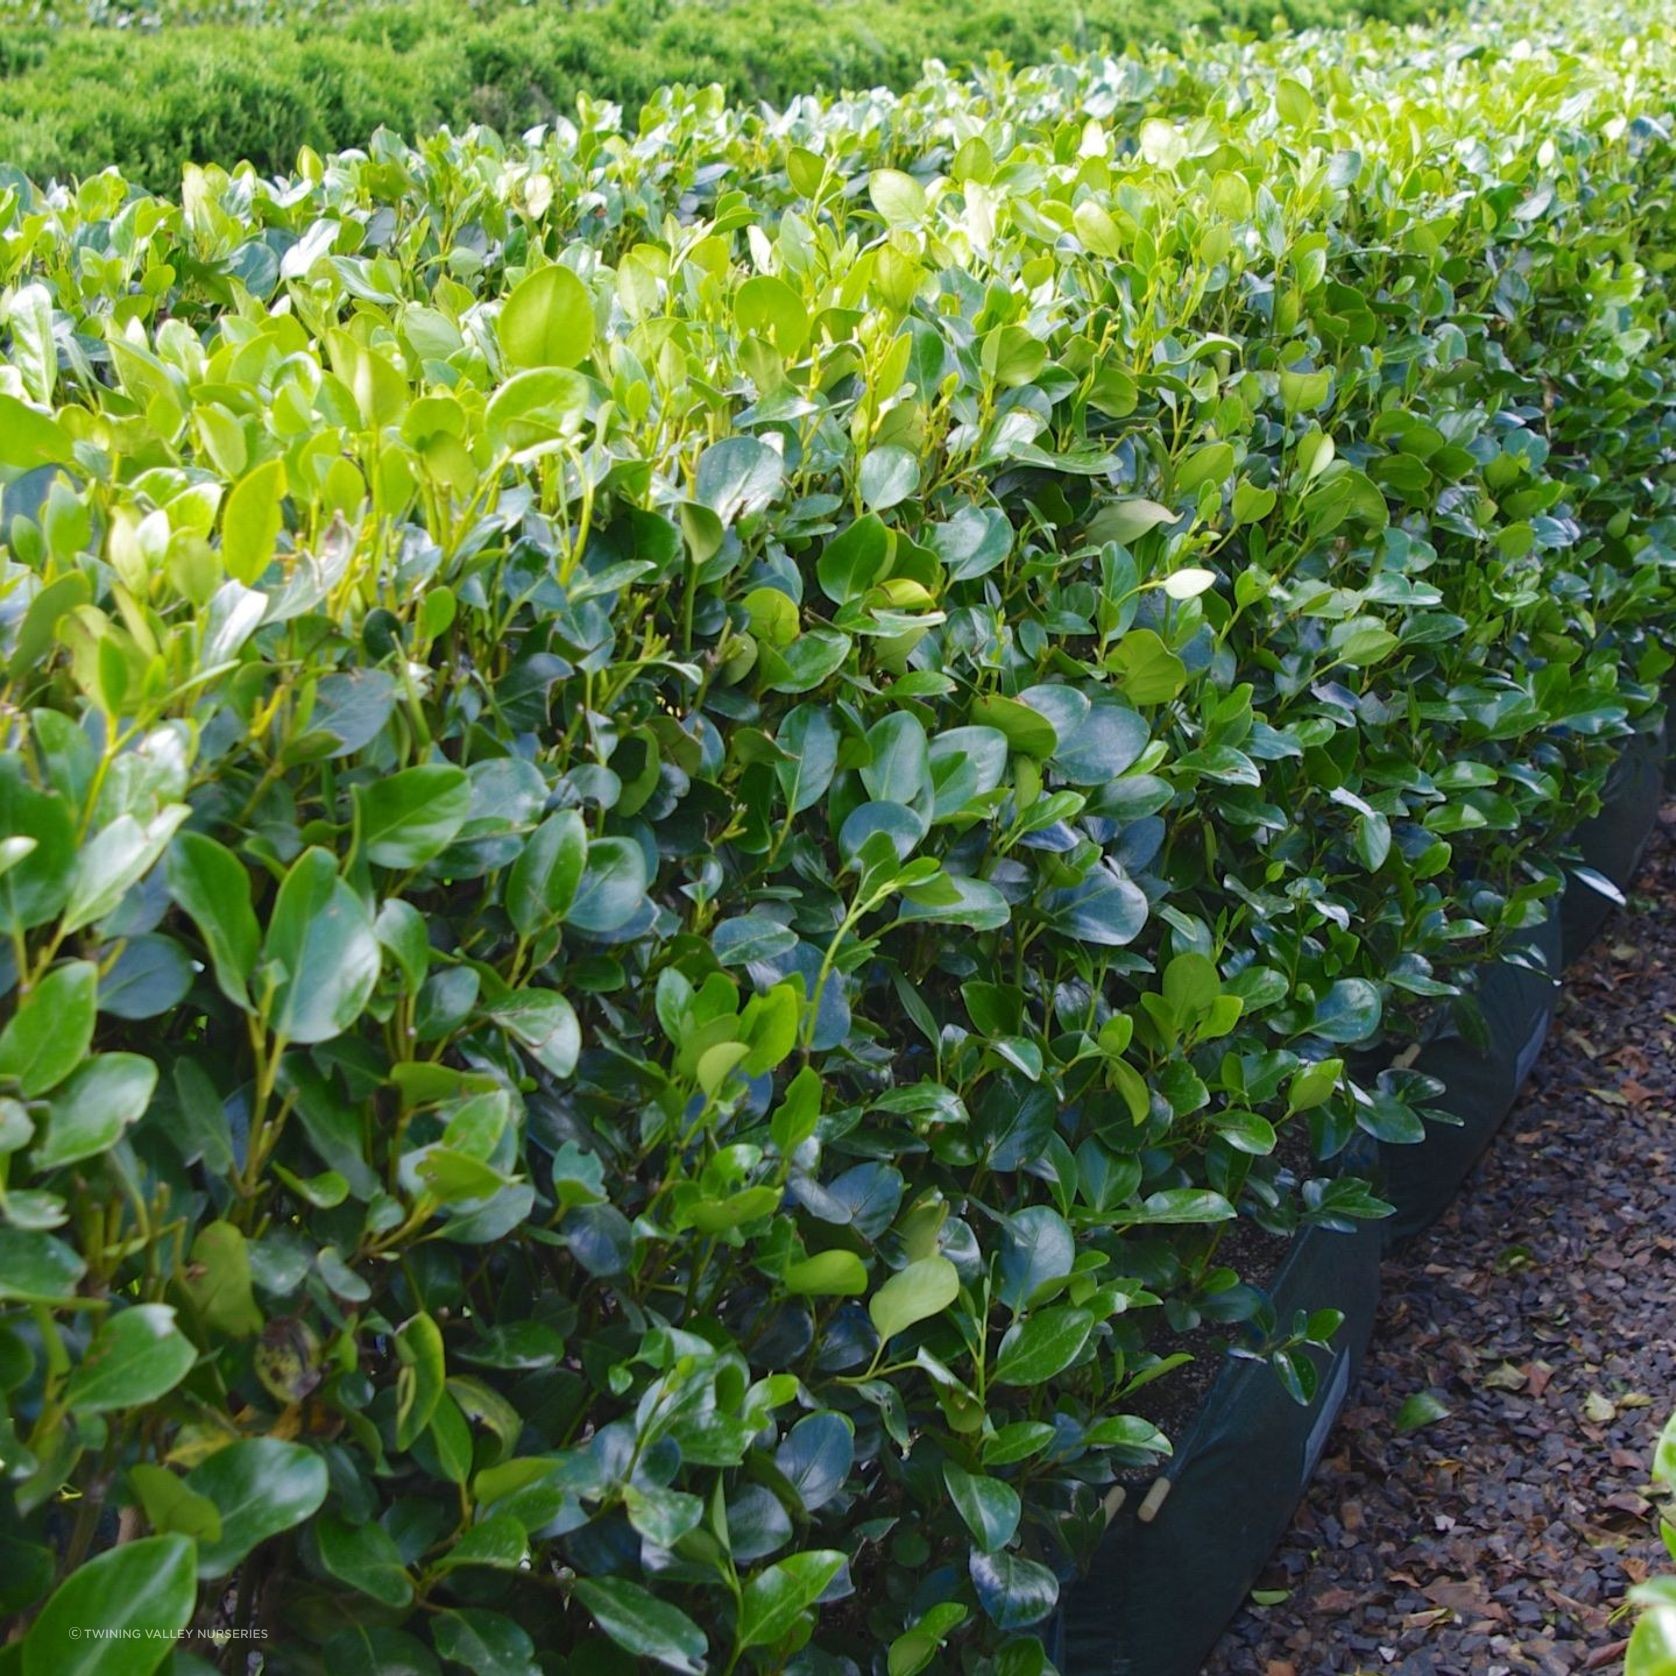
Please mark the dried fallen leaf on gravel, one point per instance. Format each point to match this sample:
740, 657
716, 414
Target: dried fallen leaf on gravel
1556, 1261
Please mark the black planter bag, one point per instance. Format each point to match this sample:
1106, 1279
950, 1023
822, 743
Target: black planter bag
1479, 1088
1162, 1587
1613, 841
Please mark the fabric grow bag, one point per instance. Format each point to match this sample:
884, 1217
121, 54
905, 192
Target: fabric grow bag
1613, 841
1179, 1557
1479, 1088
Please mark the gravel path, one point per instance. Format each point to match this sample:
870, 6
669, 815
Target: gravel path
1539, 1311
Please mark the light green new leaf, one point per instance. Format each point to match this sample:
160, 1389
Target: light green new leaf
828, 1274
548, 321
218, 1281
1149, 672
769, 306
251, 522
898, 197
170, 1506
916, 1293
1126, 521
423, 1376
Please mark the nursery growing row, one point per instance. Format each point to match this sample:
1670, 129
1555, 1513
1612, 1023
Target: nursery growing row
711, 832
225, 81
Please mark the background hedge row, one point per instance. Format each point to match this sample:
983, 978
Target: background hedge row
211, 85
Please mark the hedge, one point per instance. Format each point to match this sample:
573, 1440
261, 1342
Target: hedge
233, 86
689, 811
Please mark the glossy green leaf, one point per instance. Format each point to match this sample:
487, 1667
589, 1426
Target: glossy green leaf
990, 1506
1015, 1592
320, 937
52, 1029
207, 881
136, 1356
365, 1557
1037, 1247
737, 477
543, 880
1349, 1012
1421, 1409
774, 1599
90, 1112
412, 817
140, 1595
36, 1268
260, 1487
612, 888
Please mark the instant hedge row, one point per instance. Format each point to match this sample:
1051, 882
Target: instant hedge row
706, 828
227, 80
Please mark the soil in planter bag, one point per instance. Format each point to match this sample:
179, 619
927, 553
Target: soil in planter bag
1612, 843
1160, 1591
1479, 1088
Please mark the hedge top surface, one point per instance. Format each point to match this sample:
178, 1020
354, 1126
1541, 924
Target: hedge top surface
687, 808
227, 80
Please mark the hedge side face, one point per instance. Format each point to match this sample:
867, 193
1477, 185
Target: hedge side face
684, 810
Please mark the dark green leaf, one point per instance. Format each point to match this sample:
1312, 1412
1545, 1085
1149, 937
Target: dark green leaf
140, 1596
261, 1487
321, 938
642, 1624
136, 1357
412, 817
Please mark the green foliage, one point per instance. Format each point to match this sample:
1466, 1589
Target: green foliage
229, 80
684, 814
1652, 1643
